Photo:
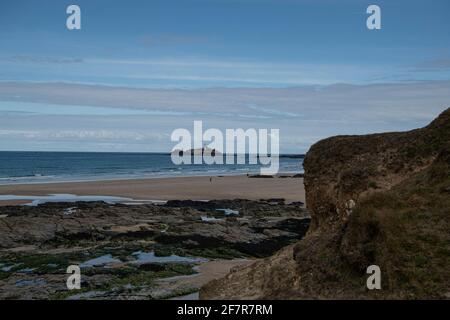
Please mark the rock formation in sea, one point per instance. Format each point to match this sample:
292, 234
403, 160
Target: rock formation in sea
379, 199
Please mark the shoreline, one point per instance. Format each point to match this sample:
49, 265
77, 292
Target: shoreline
173, 188
101, 179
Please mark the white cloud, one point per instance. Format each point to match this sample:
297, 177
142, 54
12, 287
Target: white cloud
303, 114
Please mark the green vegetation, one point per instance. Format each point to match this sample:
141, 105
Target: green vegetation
406, 232
4, 275
38, 263
215, 253
128, 279
62, 295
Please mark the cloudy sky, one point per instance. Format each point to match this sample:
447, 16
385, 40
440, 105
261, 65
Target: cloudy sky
137, 70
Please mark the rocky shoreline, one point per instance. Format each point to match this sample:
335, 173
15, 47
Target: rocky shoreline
126, 251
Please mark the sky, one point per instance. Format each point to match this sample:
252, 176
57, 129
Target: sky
137, 70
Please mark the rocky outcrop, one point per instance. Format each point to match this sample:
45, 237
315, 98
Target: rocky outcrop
256, 228
124, 249
378, 199
341, 170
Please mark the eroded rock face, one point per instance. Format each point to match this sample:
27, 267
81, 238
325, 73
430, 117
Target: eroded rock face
378, 199
341, 170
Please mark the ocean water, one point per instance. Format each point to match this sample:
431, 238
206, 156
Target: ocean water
40, 167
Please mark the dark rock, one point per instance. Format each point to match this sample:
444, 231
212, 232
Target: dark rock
260, 176
154, 267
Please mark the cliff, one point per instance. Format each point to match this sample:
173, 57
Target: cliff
378, 199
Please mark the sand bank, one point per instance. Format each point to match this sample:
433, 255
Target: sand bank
182, 188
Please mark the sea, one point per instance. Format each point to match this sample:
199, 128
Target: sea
17, 167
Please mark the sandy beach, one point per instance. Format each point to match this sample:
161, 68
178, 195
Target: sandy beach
182, 188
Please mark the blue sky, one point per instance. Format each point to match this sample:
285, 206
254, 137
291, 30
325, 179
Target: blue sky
179, 61
203, 43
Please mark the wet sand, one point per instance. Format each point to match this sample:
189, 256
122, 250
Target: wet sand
182, 188
13, 202
207, 272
